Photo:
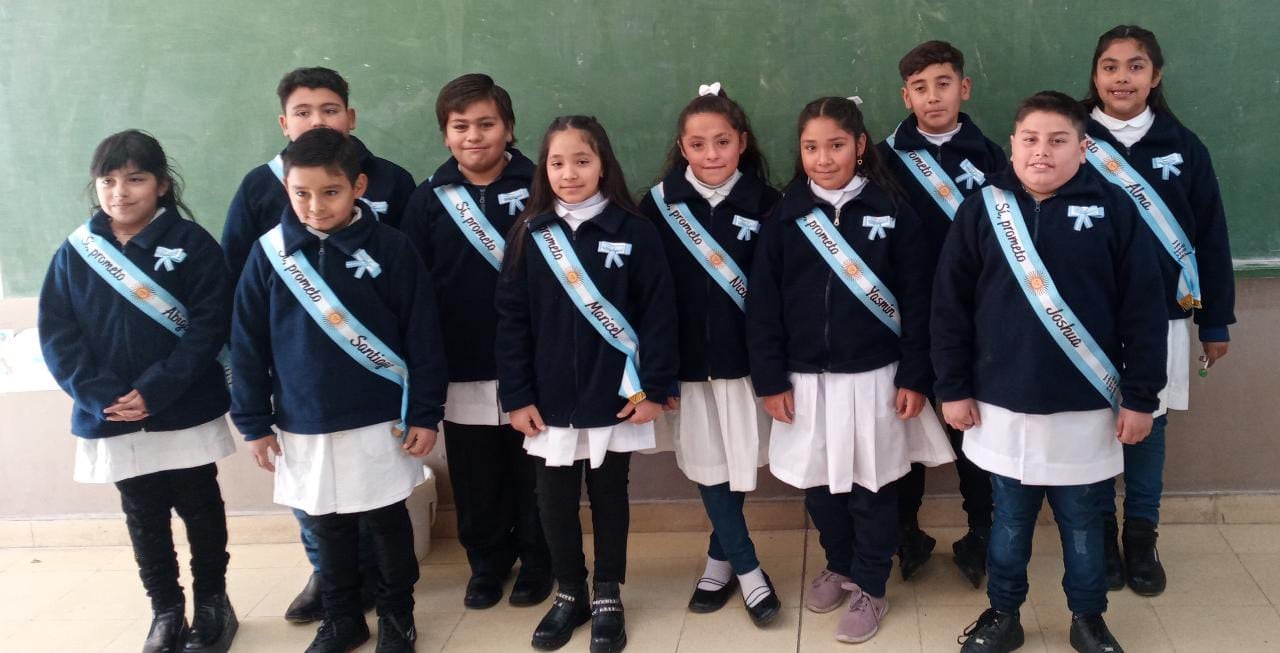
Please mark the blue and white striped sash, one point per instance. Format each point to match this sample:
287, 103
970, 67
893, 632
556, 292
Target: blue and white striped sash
929, 173
853, 272
703, 246
472, 222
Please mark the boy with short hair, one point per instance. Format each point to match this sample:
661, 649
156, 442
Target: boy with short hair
336, 344
458, 220
310, 98
1047, 391
939, 157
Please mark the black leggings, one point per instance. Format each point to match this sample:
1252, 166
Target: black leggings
559, 492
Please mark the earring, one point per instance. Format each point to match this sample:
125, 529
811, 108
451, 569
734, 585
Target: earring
859, 160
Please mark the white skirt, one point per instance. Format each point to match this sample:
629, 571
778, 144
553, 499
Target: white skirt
474, 403
107, 460
346, 471
846, 432
720, 433
561, 446
1176, 395
1070, 448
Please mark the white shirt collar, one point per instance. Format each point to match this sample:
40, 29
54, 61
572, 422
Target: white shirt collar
322, 235
841, 196
1128, 131
713, 194
939, 139
576, 214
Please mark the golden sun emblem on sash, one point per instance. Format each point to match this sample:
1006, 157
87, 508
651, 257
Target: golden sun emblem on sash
716, 259
1113, 165
335, 318
851, 269
573, 277
944, 191
1037, 283
142, 292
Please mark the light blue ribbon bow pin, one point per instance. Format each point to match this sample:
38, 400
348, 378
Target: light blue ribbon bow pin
613, 253
166, 257
878, 224
379, 208
364, 263
972, 175
514, 200
746, 227
1084, 215
1167, 164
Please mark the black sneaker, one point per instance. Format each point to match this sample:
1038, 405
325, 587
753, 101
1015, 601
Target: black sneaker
993, 632
608, 622
1143, 570
168, 630
971, 554
1089, 634
914, 550
306, 606
340, 635
213, 627
1111, 549
569, 611
396, 633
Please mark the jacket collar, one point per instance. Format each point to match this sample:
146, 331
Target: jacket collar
1084, 183
907, 136
610, 220
148, 238
518, 169
1164, 132
798, 200
347, 240
746, 195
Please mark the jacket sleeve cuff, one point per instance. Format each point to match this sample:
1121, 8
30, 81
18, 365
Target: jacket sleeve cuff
517, 400
1214, 334
657, 394
258, 434
1140, 404
953, 392
767, 387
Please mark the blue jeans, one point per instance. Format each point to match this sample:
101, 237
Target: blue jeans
1075, 508
1143, 477
729, 537
311, 545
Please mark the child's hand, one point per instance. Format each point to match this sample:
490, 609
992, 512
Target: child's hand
420, 441
259, 449
962, 415
528, 421
1213, 351
129, 408
673, 403
1133, 427
782, 406
909, 403
641, 413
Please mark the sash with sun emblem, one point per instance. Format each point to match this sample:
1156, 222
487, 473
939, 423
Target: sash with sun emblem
1108, 162
599, 312
933, 178
322, 304
852, 271
132, 283
1058, 319
705, 250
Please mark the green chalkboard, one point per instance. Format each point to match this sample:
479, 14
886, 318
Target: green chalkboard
201, 76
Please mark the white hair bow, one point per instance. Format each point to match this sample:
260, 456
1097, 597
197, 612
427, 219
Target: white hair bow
709, 89
855, 99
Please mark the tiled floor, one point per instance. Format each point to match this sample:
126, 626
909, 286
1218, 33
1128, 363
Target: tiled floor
1222, 597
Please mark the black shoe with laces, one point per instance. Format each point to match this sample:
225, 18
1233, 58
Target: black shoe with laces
915, 548
306, 606
213, 627
340, 635
1143, 570
1111, 550
396, 633
608, 623
993, 632
1089, 634
971, 554
168, 630
569, 611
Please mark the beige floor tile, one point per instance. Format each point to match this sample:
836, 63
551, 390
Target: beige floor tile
82, 635
250, 587
1249, 508
940, 583
787, 574
15, 533
502, 631
23, 594
132, 636
18, 557
1189, 510
80, 532
110, 594
667, 545
899, 631
1265, 570
732, 630
660, 583
259, 556
1222, 628
275, 600
1208, 579
1134, 624
1194, 538
941, 624
771, 544
441, 587
75, 558
434, 629
446, 551
1249, 538
263, 634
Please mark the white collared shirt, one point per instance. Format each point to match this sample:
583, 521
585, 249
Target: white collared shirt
576, 214
839, 197
1128, 131
714, 195
940, 139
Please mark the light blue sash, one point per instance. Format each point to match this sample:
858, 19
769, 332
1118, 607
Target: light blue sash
853, 272
704, 248
1113, 167
333, 318
929, 173
379, 209
607, 320
132, 283
1042, 294
472, 223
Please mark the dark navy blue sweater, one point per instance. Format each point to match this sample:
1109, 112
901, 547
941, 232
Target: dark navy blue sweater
969, 144
713, 334
549, 356
802, 318
464, 279
988, 343
281, 358
99, 346
1196, 202
261, 198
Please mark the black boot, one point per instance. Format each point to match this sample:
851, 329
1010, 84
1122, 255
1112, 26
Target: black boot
1089, 634
1145, 574
483, 591
1111, 548
993, 632
340, 635
914, 550
569, 611
608, 625
168, 630
971, 554
531, 587
214, 626
396, 633
306, 606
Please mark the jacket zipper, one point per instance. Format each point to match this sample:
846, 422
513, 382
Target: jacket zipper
320, 259
1035, 223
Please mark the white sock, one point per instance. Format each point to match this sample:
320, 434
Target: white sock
716, 575
754, 587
